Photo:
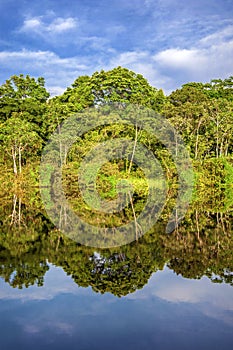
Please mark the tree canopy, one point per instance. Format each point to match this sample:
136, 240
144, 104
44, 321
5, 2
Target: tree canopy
201, 112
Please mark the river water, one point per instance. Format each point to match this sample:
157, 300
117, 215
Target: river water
161, 292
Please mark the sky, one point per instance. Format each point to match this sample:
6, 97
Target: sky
170, 42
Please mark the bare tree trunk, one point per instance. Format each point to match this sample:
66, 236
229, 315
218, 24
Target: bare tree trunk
217, 145
58, 242
138, 228
14, 212
62, 149
222, 222
63, 217
19, 212
134, 147
65, 155
176, 225
134, 216
20, 160
14, 160
197, 225
197, 139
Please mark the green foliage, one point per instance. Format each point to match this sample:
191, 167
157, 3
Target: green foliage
202, 244
201, 113
25, 96
203, 117
117, 85
19, 141
22, 111
121, 85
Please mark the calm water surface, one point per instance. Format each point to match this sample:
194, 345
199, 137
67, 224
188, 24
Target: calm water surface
169, 312
162, 292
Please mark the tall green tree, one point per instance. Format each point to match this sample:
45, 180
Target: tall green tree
116, 85
23, 102
19, 141
203, 114
27, 97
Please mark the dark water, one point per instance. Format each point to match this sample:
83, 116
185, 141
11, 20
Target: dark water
161, 292
169, 312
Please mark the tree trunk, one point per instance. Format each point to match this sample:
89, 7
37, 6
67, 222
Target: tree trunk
217, 145
197, 139
14, 212
134, 147
14, 160
19, 212
60, 146
20, 159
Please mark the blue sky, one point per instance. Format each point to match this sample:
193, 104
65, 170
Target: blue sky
170, 42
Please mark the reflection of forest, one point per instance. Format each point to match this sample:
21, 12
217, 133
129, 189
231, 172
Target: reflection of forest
201, 245
28, 242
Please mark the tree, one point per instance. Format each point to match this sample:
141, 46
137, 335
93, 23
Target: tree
23, 102
220, 89
123, 85
202, 113
19, 140
187, 109
117, 85
27, 97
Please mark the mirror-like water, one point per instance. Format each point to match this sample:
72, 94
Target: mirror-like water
162, 291
169, 312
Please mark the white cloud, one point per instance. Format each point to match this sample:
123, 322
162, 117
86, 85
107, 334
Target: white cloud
31, 24
58, 72
181, 58
130, 57
167, 285
213, 300
61, 25
220, 36
142, 63
40, 26
47, 61
210, 57
198, 63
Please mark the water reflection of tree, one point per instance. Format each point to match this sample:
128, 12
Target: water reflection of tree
201, 246
22, 231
